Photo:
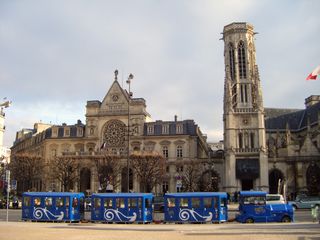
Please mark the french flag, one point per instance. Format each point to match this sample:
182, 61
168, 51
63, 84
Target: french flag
314, 74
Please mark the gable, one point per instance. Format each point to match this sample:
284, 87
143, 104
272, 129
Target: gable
116, 100
308, 147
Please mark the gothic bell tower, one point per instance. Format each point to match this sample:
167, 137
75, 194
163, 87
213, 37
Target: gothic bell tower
246, 160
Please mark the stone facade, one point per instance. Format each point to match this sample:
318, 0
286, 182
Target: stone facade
265, 148
106, 131
246, 160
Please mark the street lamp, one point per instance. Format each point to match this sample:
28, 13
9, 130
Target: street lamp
128, 152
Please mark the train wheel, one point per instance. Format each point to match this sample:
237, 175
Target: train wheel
286, 219
249, 220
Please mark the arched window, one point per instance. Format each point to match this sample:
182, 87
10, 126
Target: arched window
242, 60
231, 62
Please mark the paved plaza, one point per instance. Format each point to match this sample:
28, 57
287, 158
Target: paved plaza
87, 231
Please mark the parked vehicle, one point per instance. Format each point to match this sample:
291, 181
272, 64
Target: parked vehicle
305, 202
253, 208
275, 199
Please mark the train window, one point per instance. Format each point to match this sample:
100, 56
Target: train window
120, 202
27, 201
171, 202
108, 202
215, 200
59, 202
148, 203
140, 203
97, 202
184, 202
37, 201
195, 202
207, 202
132, 203
75, 202
67, 202
48, 201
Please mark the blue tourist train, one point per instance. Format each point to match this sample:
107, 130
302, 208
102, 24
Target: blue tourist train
122, 207
195, 207
253, 208
53, 206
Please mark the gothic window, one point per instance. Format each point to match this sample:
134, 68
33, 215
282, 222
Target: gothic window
165, 152
240, 140
244, 93
114, 133
179, 151
231, 61
252, 140
242, 60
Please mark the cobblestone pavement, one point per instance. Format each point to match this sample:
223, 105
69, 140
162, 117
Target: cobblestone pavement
96, 231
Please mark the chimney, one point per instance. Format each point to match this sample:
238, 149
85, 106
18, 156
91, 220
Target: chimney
175, 118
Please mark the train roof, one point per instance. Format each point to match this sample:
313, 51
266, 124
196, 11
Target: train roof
126, 195
197, 194
52, 194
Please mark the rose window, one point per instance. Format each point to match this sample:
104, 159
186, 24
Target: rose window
114, 133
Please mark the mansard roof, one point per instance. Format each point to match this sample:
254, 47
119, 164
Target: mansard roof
295, 121
189, 128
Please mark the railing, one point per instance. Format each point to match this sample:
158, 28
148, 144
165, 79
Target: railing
247, 150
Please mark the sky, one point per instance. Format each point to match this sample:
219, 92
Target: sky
55, 55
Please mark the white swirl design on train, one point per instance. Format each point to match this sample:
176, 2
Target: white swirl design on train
39, 212
185, 215
115, 215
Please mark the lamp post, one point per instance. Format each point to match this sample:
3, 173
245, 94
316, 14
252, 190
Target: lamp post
128, 152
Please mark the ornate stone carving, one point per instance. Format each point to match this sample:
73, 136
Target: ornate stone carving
114, 133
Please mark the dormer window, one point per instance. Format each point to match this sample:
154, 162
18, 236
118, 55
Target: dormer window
150, 129
79, 132
179, 129
67, 132
165, 129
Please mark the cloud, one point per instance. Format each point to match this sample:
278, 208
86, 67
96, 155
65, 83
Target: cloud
56, 55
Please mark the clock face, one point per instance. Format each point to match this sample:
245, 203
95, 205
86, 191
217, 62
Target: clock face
115, 98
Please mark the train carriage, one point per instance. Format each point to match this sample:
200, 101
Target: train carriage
195, 207
121, 207
53, 206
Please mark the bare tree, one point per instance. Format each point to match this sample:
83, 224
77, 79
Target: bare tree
109, 169
26, 168
191, 176
65, 169
149, 169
